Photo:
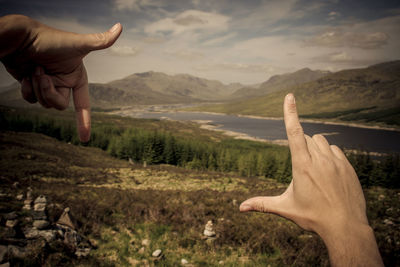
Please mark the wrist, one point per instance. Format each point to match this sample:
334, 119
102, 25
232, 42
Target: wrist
352, 243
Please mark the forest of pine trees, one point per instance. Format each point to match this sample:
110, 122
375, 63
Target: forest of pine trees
237, 156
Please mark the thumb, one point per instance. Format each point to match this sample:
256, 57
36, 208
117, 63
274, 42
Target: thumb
97, 41
276, 205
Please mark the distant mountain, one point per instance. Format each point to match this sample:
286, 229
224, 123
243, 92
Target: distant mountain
279, 82
376, 88
143, 88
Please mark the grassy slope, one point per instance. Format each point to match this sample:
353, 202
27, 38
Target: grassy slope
118, 205
376, 86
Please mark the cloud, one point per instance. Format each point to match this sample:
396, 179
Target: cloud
333, 15
339, 38
220, 39
189, 20
124, 51
240, 67
130, 4
189, 55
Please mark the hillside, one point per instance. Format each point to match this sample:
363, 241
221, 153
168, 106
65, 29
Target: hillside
280, 82
141, 89
372, 92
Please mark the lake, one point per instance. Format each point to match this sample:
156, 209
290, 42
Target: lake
366, 139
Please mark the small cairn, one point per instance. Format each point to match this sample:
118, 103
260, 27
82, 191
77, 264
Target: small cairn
209, 232
39, 213
28, 200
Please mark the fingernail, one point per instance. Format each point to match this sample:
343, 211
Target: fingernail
38, 71
245, 207
290, 98
114, 28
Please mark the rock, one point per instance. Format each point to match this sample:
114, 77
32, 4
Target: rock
234, 202
145, 242
49, 235
184, 262
16, 184
388, 222
32, 233
71, 238
11, 223
40, 224
19, 197
3, 253
39, 215
7, 264
29, 194
141, 250
10, 216
381, 197
208, 231
39, 207
41, 199
221, 262
16, 252
82, 252
27, 204
66, 219
157, 253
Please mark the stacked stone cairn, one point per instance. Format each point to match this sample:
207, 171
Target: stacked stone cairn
209, 233
37, 233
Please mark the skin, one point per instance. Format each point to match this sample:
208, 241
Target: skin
48, 63
324, 196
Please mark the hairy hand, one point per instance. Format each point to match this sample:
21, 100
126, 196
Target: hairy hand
325, 195
48, 63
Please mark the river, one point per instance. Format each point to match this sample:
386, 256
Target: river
349, 137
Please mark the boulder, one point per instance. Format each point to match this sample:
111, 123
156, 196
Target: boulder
41, 224
157, 253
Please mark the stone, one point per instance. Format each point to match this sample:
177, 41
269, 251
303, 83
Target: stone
41, 199
82, 252
66, 219
29, 194
49, 235
234, 202
16, 184
10, 216
145, 242
221, 262
208, 231
141, 250
184, 262
39, 207
7, 264
381, 197
39, 215
11, 223
71, 238
388, 222
16, 252
41, 224
27, 204
19, 197
3, 253
32, 233
157, 253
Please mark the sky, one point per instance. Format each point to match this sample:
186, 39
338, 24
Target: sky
231, 41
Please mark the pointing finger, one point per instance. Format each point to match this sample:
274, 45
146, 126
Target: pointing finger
295, 134
82, 107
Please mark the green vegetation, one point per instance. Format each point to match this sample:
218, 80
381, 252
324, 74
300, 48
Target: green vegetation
119, 217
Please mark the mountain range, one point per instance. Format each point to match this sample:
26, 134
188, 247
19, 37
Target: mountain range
318, 93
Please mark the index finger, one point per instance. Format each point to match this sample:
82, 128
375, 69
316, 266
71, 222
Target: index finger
82, 107
294, 131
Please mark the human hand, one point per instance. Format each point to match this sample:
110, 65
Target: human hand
324, 196
48, 63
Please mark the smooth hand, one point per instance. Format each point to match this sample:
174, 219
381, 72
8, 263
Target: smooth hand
48, 64
324, 196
